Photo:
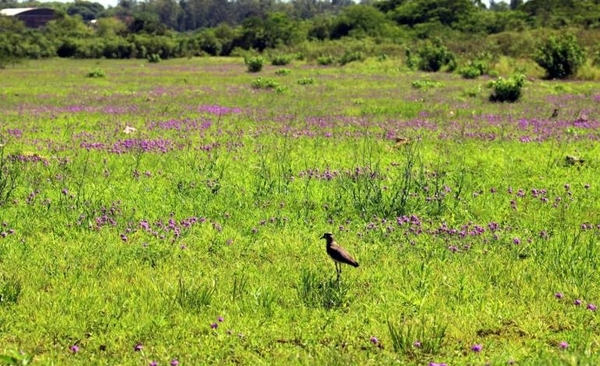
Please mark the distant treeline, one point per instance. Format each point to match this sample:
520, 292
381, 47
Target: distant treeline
170, 28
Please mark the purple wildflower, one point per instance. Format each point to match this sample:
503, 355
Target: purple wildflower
214, 325
417, 344
138, 347
476, 348
516, 241
563, 345
577, 302
153, 363
591, 307
174, 362
74, 348
558, 295
220, 319
374, 340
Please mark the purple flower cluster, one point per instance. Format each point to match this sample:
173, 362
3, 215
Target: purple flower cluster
468, 229
158, 145
28, 158
15, 132
162, 229
180, 125
218, 110
92, 145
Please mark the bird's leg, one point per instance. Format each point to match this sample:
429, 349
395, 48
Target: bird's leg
338, 270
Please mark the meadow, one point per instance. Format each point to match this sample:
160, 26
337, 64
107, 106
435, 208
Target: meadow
170, 213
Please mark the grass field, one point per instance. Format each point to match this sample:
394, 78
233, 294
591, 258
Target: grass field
195, 238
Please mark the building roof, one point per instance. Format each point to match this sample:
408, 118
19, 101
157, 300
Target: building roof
14, 11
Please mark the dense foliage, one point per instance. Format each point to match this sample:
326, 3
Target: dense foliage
561, 57
441, 33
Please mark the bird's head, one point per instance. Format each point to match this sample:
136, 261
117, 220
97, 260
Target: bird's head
327, 236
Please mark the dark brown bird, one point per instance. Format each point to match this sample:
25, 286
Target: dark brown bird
401, 140
338, 254
555, 113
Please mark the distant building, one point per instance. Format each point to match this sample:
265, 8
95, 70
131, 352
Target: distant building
32, 17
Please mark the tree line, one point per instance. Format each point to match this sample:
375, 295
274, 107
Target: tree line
175, 28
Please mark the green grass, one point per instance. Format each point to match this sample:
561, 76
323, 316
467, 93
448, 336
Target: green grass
214, 207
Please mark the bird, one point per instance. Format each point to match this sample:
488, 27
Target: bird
555, 113
338, 254
400, 140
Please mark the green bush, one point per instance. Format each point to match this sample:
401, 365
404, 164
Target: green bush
350, 56
434, 56
281, 60
154, 58
469, 72
325, 60
96, 73
425, 84
265, 83
255, 63
507, 90
561, 57
474, 69
306, 81
412, 61
164, 46
283, 72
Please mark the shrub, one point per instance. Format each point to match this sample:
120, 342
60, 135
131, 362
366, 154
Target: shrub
154, 58
561, 56
96, 73
507, 90
306, 81
474, 69
281, 60
261, 83
412, 61
469, 72
325, 60
425, 84
348, 57
434, 56
283, 72
255, 63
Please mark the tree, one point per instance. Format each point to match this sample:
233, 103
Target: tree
515, 4
86, 9
110, 27
168, 12
446, 12
360, 21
